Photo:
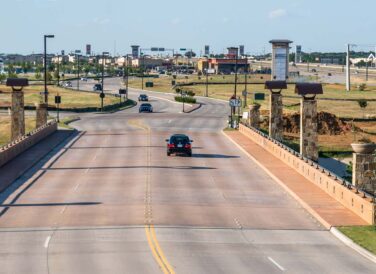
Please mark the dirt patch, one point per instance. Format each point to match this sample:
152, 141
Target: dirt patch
328, 124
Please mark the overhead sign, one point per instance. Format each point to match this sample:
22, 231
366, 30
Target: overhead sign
235, 103
154, 49
183, 49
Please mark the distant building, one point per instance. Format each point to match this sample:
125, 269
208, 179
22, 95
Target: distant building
151, 63
222, 65
232, 52
298, 54
1, 66
135, 51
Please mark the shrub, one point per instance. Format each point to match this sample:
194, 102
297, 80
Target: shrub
186, 99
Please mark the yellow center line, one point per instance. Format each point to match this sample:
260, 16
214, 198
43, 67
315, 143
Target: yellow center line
151, 236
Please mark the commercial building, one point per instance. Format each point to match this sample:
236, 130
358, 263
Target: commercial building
151, 63
222, 65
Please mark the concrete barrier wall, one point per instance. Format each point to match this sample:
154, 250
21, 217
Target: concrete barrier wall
330, 183
13, 149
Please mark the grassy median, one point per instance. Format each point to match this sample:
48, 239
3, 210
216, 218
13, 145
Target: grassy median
364, 236
70, 99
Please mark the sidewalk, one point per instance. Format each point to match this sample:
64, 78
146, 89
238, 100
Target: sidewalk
316, 200
15, 168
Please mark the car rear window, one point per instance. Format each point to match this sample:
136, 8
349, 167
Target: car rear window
179, 139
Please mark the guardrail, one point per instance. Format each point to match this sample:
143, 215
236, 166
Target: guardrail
19, 145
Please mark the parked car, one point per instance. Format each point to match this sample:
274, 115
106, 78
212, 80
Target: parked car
97, 87
143, 97
84, 79
179, 144
145, 107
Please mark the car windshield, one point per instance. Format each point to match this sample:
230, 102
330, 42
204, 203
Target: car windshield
146, 105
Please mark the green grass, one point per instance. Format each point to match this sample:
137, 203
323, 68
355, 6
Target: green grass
5, 128
69, 98
337, 91
364, 236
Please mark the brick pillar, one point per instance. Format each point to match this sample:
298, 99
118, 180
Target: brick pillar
41, 110
363, 163
17, 115
276, 116
254, 116
308, 129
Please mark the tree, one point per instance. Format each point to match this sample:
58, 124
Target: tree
363, 104
190, 54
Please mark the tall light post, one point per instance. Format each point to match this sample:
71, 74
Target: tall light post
348, 83
102, 95
207, 77
77, 52
45, 67
127, 77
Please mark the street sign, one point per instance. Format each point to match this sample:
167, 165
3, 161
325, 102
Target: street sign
244, 93
57, 99
245, 115
102, 95
259, 96
235, 103
122, 91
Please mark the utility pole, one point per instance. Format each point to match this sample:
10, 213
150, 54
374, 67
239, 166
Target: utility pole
348, 83
245, 83
58, 70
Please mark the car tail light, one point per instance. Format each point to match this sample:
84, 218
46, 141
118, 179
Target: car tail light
170, 145
187, 145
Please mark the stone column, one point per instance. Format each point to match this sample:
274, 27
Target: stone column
308, 129
276, 116
17, 115
41, 110
363, 164
254, 116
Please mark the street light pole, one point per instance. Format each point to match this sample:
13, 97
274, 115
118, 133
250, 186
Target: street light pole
78, 68
207, 77
126, 79
142, 70
58, 69
45, 67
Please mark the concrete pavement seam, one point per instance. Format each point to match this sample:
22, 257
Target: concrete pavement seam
276, 179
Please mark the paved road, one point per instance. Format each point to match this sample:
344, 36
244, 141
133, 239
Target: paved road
111, 201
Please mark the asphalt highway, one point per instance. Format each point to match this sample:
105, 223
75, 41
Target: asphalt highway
112, 201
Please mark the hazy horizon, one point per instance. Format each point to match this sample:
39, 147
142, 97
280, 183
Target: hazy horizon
114, 25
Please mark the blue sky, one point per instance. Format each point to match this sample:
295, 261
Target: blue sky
325, 25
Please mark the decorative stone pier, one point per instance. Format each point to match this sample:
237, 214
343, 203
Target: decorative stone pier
276, 108
308, 119
364, 166
254, 115
17, 109
17, 115
41, 112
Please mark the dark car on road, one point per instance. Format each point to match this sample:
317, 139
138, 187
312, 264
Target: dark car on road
97, 87
145, 108
143, 97
179, 144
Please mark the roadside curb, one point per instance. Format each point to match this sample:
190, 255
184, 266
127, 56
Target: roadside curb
287, 189
350, 243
